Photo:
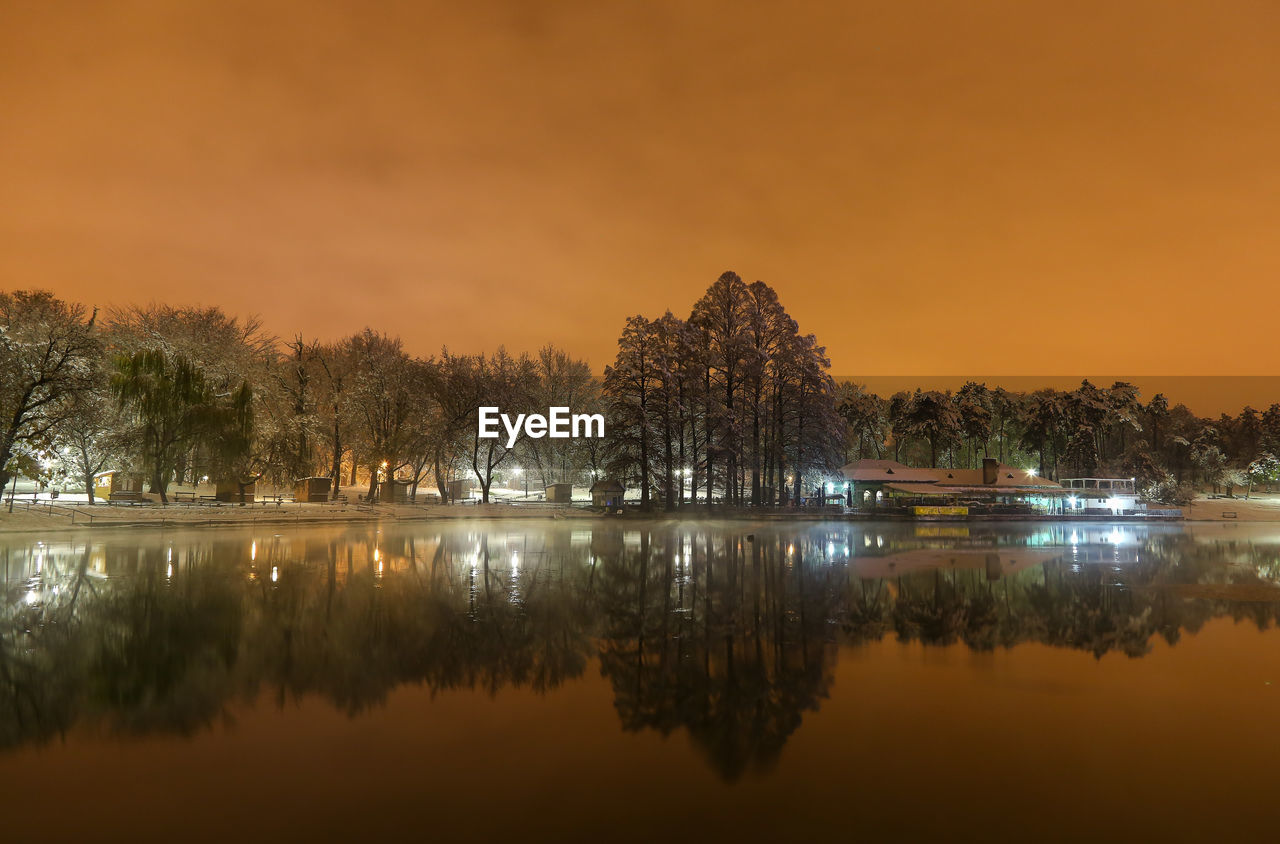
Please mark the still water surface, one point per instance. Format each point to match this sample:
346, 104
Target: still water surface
621, 681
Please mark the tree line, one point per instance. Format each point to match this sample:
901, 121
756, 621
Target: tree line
187, 395
1090, 431
732, 404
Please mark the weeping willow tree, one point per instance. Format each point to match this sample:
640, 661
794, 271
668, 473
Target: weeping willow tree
176, 411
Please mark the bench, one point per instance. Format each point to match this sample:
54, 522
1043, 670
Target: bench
184, 496
126, 497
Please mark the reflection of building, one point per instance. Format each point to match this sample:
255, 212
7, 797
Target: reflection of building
882, 482
995, 562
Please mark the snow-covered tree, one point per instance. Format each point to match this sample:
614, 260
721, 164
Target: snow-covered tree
48, 352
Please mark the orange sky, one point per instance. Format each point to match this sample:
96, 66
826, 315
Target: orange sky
1100, 178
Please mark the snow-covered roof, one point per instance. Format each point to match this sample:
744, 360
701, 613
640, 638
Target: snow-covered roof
890, 471
887, 470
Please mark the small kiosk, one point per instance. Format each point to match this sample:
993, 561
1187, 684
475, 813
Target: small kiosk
607, 493
312, 490
560, 493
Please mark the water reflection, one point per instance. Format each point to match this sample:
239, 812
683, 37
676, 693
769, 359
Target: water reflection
728, 633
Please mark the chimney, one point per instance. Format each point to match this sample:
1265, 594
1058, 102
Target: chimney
989, 470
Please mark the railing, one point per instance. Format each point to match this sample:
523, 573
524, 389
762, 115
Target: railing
49, 508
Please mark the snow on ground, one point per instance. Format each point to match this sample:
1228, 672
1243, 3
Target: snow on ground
76, 516
1258, 508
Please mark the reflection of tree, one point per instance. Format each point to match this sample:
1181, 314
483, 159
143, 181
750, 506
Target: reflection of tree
727, 636
722, 636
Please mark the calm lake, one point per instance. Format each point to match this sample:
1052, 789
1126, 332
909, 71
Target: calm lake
642, 681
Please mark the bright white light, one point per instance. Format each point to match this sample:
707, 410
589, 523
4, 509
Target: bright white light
275, 574
1031, 472
377, 555
831, 549
1072, 501
1115, 504
33, 597
168, 572
830, 487
253, 550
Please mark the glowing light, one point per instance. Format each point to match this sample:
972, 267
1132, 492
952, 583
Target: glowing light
1072, 501
253, 550
168, 572
33, 597
275, 574
377, 555
1031, 472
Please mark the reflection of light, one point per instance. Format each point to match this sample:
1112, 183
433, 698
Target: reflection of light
1115, 538
791, 549
377, 555
33, 597
168, 572
831, 550
275, 574
253, 550
1075, 538
879, 541
866, 540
